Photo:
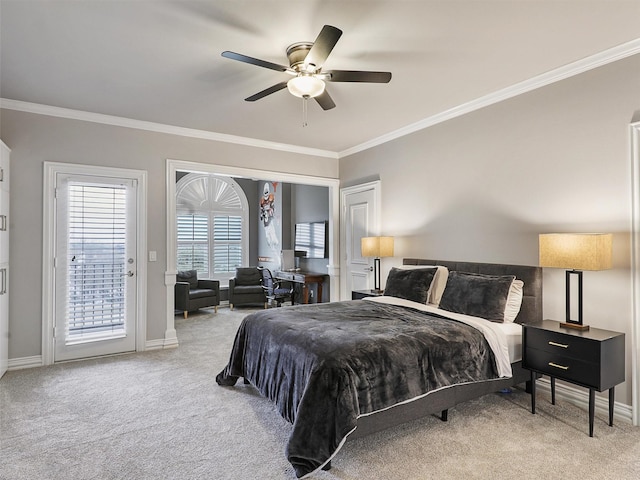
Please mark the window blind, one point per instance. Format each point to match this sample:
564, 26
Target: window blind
96, 259
193, 243
227, 238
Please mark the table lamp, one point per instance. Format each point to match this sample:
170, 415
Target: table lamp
376, 247
576, 252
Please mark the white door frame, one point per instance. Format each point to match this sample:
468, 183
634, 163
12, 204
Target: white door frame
51, 169
634, 134
173, 166
375, 186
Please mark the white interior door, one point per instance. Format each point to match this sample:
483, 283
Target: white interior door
95, 266
360, 212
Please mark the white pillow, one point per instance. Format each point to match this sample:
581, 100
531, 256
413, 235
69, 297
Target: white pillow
436, 289
514, 301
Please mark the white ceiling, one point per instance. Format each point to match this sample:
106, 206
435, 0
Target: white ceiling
159, 61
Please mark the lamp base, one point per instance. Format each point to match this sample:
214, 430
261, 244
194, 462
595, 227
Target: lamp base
575, 326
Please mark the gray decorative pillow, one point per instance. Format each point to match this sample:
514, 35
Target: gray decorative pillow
483, 296
248, 276
190, 276
410, 284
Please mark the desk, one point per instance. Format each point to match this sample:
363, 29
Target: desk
305, 279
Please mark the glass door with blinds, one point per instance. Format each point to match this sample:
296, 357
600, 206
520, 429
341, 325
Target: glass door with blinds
95, 266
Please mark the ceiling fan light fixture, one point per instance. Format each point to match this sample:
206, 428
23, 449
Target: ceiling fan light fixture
305, 86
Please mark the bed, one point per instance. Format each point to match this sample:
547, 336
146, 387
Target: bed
344, 370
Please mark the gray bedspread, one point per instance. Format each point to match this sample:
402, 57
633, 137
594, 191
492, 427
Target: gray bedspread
325, 365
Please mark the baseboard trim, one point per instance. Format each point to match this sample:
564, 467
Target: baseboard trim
580, 398
160, 344
25, 362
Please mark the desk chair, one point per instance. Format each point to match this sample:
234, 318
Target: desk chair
275, 290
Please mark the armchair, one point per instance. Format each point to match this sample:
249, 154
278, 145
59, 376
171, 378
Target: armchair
246, 288
192, 294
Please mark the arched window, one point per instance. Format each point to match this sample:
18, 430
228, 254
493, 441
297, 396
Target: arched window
212, 225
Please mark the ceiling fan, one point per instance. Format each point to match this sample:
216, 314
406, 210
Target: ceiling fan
305, 66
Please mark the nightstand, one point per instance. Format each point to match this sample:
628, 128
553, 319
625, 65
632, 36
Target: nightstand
592, 358
359, 294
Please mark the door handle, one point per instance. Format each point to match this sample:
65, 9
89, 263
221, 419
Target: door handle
368, 269
129, 274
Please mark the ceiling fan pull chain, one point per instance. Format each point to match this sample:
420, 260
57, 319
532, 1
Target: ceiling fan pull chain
304, 110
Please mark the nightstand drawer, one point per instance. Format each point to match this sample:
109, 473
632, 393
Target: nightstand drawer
564, 367
566, 345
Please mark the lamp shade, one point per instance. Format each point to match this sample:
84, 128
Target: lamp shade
377, 246
577, 251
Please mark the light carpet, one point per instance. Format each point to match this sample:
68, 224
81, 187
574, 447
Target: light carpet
160, 415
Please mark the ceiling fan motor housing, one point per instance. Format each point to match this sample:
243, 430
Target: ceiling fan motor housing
296, 53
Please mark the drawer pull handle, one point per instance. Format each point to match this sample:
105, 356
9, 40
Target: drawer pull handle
561, 345
562, 367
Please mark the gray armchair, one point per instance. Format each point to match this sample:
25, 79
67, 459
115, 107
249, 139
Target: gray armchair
246, 288
192, 294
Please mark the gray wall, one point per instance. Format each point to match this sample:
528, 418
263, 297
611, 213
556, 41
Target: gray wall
483, 186
34, 139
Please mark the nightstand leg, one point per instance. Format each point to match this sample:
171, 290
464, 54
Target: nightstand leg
611, 404
553, 390
592, 409
533, 392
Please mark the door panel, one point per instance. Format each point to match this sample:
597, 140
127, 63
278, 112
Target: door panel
360, 267
95, 266
360, 218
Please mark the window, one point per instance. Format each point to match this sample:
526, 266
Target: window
212, 224
193, 243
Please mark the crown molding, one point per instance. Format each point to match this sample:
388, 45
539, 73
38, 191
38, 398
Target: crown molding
158, 127
589, 63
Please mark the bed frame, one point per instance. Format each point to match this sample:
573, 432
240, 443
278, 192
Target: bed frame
441, 401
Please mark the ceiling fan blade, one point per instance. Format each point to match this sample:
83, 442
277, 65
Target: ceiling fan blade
357, 76
327, 39
255, 61
325, 100
266, 91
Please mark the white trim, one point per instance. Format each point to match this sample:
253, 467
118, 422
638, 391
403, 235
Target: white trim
174, 166
141, 264
580, 398
157, 127
25, 362
186, 166
159, 345
575, 68
605, 57
170, 335
48, 248
634, 134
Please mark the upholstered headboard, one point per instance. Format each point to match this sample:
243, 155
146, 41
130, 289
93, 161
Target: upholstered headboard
531, 310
